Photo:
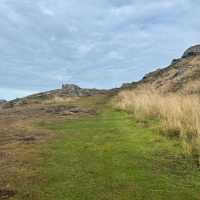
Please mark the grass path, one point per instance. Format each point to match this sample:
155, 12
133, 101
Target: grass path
110, 157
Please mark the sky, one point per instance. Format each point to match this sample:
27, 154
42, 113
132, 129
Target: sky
92, 43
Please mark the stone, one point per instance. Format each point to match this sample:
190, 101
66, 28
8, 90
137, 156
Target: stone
72, 90
76, 91
175, 61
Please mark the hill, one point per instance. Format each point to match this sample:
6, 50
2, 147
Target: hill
66, 92
182, 75
74, 143
171, 97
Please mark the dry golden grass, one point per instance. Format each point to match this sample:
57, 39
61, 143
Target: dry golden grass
57, 99
179, 114
192, 87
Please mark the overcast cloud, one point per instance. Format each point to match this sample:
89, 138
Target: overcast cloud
93, 43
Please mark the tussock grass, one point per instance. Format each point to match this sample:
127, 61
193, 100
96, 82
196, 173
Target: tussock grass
179, 115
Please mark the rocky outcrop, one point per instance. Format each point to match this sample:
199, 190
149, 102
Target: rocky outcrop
74, 90
182, 75
192, 51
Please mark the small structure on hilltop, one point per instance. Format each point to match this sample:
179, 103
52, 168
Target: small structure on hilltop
72, 90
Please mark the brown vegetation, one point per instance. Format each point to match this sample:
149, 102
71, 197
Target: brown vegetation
21, 139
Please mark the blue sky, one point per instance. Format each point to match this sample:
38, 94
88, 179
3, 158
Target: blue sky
92, 43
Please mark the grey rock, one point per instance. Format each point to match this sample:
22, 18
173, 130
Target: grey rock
74, 90
175, 61
192, 51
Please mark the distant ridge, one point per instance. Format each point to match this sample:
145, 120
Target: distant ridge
182, 75
67, 90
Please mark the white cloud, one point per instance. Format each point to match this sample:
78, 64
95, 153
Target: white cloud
84, 49
47, 11
43, 42
114, 55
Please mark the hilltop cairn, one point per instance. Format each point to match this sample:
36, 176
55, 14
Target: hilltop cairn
74, 90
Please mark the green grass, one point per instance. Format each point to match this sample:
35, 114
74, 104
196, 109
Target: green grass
111, 157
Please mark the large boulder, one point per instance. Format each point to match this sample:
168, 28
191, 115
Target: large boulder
72, 90
75, 91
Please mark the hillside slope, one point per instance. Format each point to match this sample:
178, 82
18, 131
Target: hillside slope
182, 75
171, 97
71, 143
102, 155
66, 93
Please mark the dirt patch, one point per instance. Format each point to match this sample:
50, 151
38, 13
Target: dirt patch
64, 110
6, 194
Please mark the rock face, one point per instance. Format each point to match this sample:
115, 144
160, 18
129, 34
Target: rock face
72, 90
192, 51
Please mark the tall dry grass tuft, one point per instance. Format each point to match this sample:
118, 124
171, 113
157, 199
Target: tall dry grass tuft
179, 114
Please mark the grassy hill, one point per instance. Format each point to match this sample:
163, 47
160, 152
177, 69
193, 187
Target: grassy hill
109, 155
138, 142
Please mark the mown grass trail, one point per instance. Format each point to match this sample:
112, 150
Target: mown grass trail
111, 157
